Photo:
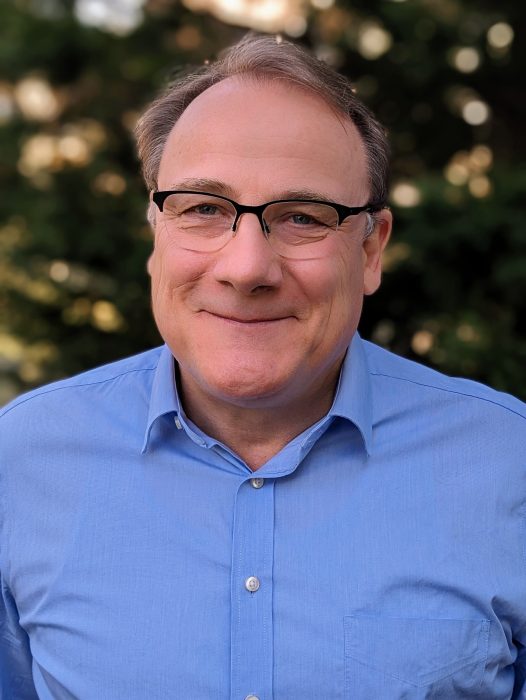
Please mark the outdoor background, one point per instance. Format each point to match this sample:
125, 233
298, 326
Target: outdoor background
446, 77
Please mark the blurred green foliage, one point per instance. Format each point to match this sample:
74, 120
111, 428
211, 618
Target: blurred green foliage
73, 238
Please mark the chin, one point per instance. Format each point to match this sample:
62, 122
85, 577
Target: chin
247, 387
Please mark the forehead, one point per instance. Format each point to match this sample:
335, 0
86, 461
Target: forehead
260, 137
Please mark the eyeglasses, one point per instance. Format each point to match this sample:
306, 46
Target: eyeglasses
205, 222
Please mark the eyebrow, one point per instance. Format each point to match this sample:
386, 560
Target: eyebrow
219, 187
304, 194
203, 184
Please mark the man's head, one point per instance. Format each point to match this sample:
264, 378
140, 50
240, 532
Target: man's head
251, 324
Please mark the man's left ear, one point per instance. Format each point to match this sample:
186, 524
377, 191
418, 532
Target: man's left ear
149, 264
373, 247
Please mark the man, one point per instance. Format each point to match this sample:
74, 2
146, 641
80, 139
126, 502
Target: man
268, 506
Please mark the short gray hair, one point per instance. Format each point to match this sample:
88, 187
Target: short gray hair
262, 57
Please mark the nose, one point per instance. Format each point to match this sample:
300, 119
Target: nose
247, 262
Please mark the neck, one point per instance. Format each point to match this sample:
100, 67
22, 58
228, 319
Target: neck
256, 433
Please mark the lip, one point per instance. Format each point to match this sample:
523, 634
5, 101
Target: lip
251, 321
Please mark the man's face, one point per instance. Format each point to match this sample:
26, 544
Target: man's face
248, 327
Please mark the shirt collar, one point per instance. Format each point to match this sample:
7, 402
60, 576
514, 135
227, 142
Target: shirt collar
164, 397
353, 400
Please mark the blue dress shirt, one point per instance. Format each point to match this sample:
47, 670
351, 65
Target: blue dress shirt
380, 555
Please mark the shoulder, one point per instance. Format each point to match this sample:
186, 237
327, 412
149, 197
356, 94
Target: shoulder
128, 374
404, 379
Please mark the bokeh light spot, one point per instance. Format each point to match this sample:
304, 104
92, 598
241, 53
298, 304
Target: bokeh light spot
373, 40
78, 313
59, 271
481, 158
36, 99
465, 167
466, 59
118, 16
467, 333
295, 25
38, 153
422, 342
406, 194
475, 112
106, 317
500, 35
110, 183
480, 186
457, 173
266, 15
322, 4
188, 38
74, 149
384, 332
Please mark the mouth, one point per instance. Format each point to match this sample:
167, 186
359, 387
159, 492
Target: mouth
248, 320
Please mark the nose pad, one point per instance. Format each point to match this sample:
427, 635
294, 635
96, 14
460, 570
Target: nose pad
264, 226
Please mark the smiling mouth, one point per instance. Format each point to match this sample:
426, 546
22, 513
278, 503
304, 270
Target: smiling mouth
248, 321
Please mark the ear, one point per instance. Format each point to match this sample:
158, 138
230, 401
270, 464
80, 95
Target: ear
373, 247
149, 264
150, 214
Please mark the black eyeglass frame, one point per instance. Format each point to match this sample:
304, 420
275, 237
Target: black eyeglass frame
342, 210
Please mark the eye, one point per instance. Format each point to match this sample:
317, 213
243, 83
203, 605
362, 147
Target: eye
301, 219
193, 207
203, 209
305, 216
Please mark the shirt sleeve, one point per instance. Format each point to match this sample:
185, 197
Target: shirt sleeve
519, 690
16, 678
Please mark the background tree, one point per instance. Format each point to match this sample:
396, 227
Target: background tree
444, 76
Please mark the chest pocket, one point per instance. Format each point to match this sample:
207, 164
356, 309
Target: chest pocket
413, 658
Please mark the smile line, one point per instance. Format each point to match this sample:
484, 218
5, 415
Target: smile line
233, 319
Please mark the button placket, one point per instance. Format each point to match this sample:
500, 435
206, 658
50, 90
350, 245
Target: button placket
251, 591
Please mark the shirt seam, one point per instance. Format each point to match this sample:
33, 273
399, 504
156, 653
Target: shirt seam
4, 551
44, 392
449, 391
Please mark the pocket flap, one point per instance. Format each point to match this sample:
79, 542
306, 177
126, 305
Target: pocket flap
418, 651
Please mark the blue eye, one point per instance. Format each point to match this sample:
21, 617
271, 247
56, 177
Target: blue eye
203, 209
303, 220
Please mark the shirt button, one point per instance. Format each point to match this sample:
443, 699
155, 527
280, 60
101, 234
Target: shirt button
257, 483
252, 584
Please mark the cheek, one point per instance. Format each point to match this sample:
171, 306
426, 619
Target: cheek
341, 294
338, 280
165, 296
351, 265
172, 270
160, 281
